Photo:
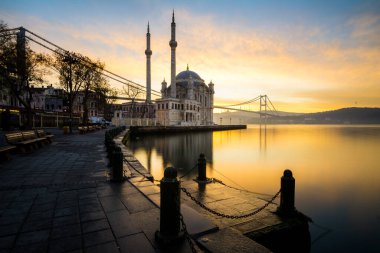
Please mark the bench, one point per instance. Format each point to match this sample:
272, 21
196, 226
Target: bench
41, 134
5, 149
16, 139
82, 129
26, 140
31, 136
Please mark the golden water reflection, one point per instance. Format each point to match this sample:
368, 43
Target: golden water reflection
337, 170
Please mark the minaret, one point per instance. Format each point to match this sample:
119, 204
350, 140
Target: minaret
148, 53
163, 89
190, 87
173, 45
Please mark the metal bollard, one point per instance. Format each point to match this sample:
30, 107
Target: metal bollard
117, 165
286, 207
201, 168
170, 232
110, 149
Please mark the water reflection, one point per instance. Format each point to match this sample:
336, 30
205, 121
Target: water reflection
181, 150
263, 139
337, 171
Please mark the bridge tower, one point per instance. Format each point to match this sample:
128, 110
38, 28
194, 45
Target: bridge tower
263, 108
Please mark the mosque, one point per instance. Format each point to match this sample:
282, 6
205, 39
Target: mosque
187, 101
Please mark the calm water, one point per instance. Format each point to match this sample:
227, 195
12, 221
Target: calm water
337, 172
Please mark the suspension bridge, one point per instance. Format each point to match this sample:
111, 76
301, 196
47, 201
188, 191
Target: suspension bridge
261, 104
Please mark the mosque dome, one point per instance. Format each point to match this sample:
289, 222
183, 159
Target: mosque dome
186, 75
183, 77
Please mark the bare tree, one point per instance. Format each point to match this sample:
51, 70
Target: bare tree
133, 93
71, 77
20, 67
106, 96
92, 80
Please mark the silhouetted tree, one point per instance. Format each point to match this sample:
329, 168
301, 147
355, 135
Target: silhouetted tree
132, 93
71, 77
20, 67
105, 95
93, 81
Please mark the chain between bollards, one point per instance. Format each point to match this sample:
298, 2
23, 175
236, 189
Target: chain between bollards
228, 216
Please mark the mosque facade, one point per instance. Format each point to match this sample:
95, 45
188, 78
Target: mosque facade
188, 100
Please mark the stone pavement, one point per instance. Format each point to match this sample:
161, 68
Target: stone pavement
59, 199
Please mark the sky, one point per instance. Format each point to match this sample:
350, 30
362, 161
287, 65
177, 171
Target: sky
307, 56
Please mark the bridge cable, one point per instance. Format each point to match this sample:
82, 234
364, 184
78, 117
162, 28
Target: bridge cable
109, 72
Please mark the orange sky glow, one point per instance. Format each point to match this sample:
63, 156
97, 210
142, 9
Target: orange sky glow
300, 66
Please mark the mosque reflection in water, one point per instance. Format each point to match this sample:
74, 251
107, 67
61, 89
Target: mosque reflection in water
179, 150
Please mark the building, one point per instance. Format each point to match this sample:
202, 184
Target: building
94, 105
48, 98
188, 100
135, 114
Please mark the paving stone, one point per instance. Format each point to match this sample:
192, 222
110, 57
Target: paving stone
197, 224
66, 204
98, 237
32, 237
94, 207
137, 243
7, 241
230, 240
148, 190
65, 220
91, 216
122, 223
109, 247
9, 229
66, 211
105, 192
47, 214
111, 204
10, 219
155, 198
88, 195
137, 203
66, 231
65, 244
96, 225
33, 225
31, 248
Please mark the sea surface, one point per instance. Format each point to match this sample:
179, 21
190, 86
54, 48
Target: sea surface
336, 167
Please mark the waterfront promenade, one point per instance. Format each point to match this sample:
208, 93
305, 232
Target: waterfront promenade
59, 199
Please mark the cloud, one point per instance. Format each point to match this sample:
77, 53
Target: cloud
366, 28
300, 71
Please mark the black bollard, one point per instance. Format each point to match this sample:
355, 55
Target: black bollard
170, 230
117, 165
286, 207
201, 168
